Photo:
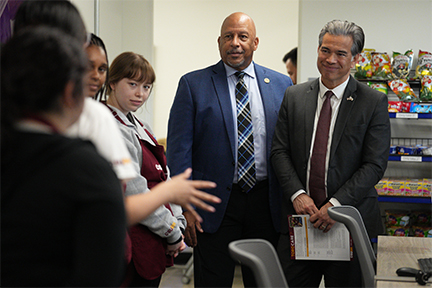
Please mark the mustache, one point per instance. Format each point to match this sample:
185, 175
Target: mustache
235, 51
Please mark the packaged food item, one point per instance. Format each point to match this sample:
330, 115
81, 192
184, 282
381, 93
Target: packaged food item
413, 187
381, 187
382, 87
395, 186
424, 64
402, 89
426, 88
401, 64
397, 218
364, 64
406, 150
421, 218
421, 108
422, 231
427, 187
406, 106
398, 231
381, 65
395, 106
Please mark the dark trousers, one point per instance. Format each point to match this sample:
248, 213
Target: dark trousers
308, 273
247, 216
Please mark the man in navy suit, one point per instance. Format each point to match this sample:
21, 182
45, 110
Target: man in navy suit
355, 158
202, 134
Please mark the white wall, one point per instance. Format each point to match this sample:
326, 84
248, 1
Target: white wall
389, 25
182, 35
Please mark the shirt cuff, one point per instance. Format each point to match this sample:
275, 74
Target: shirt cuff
301, 191
335, 202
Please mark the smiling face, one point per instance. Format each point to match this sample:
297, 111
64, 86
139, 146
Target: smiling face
237, 41
128, 95
335, 59
97, 72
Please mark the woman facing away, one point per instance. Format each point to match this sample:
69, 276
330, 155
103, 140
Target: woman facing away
159, 237
63, 218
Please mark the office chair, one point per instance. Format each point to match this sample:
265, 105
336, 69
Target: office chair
351, 218
261, 257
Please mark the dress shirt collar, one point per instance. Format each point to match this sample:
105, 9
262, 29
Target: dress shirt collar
250, 70
338, 91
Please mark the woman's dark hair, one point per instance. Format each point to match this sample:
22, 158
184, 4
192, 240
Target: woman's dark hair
96, 41
60, 14
36, 65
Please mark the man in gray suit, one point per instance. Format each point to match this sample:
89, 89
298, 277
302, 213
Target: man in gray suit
354, 154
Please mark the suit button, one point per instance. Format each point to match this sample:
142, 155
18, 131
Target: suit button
228, 188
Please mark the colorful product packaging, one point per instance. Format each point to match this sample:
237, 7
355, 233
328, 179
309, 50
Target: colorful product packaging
364, 64
401, 64
413, 187
381, 186
398, 231
426, 88
381, 66
382, 87
395, 187
421, 108
402, 89
424, 64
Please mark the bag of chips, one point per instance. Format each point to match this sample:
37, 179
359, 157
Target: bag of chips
426, 88
381, 65
424, 64
382, 87
364, 64
401, 64
402, 89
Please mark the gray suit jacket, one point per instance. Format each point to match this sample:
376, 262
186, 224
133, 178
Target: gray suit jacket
359, 149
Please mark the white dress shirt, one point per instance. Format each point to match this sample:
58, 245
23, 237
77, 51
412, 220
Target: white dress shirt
335, 102
258, 118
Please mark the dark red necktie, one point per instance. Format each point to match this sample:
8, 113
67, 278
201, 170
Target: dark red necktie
318, 160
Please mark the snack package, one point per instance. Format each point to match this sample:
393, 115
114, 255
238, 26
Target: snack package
395, 106
399, 219
382, 87
426, 88
401, 64
402, 89
398, 231
427, 187
395, 187
413, 187
364, 64
424, 64
421, 218
421, 108
381, 187
381, 65
406, 150
422, 231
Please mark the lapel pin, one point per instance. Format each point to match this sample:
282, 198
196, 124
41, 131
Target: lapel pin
267, 80
350, 98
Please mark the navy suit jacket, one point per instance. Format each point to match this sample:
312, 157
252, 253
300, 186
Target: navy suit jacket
201, 133
359, 149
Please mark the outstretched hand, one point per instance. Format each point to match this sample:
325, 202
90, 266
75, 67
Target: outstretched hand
185, 192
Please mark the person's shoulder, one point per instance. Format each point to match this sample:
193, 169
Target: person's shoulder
209, 70
268, 71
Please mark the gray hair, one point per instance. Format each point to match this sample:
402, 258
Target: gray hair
345, 28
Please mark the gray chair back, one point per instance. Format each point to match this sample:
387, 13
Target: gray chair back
351, 218
261, 257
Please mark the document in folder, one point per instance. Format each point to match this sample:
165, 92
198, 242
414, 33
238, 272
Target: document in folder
309, 243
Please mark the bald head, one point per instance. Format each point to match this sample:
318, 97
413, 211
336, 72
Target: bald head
237, 40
